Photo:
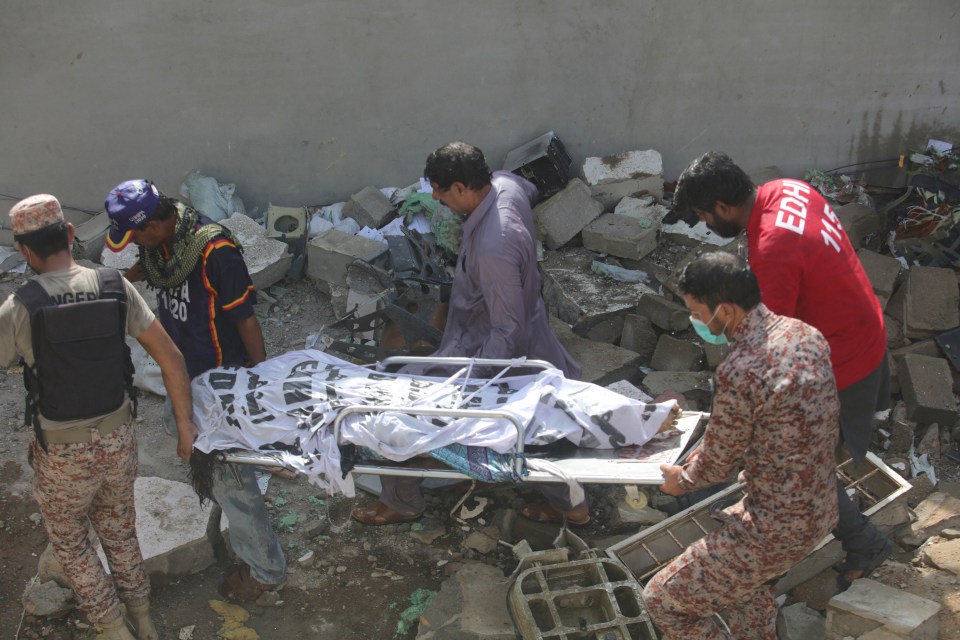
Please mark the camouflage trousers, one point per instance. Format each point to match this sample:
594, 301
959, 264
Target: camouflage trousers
725, 571
91, 484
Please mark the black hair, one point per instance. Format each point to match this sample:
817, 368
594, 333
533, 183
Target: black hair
46, 241
166, 208
711, 178
458, 162
719, 277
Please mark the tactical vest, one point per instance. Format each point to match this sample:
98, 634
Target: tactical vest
82, 366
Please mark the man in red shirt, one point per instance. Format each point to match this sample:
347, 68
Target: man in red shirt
807, 269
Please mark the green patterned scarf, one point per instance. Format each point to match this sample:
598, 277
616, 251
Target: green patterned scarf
188, 244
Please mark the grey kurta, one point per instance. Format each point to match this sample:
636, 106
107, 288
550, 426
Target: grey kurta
496, 310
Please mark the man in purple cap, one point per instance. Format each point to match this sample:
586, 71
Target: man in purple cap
84, 456
205, 302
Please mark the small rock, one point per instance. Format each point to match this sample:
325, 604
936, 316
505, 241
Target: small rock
307, 559
47, 599
35, 518
342, 569
427, 536
316, 528
186, 633
950, 534
269, 599
483, 541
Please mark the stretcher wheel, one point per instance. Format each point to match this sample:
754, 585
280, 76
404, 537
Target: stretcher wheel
636, 498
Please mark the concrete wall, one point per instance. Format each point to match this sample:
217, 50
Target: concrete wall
306, 101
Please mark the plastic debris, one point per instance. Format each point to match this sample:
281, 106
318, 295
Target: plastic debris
419, 601
212, 199
233, 617
288, 522
619, 273
841, 188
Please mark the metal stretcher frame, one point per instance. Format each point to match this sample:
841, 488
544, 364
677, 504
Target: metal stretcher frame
601, 468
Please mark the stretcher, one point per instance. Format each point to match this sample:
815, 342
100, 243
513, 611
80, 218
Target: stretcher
629, 465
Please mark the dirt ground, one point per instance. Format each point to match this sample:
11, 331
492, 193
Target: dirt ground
362, 579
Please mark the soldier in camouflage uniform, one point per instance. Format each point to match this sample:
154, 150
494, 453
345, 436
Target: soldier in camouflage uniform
85, 468
775, 415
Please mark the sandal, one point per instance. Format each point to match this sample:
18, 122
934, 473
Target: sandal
240, 586
379, 514
861, 565
544, 512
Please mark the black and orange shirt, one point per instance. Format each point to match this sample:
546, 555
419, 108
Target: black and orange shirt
200, 315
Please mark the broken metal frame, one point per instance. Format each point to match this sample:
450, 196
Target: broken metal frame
653, 548
584, 469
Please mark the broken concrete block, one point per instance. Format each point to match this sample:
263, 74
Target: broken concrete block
645, 208
638, 335
926, 347
607, 330
620, 236
612, 178
171, 528
267, 260
602, 363
693, 385
938, 512
858, 221
471, 605
882, 271
943, 555
715, 354
286, 223
927, 302
329, 254
580, 297
560, 218
665, 314
369, 207
626, 389
47, 599
895, 338
927, 387
800, 622
870, 605
90, 237
674, 354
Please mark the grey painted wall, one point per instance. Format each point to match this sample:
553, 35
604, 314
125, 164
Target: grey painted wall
306, 101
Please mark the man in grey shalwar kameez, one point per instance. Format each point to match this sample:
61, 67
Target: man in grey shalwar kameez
496, 310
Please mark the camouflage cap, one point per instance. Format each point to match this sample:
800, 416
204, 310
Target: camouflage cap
34, 213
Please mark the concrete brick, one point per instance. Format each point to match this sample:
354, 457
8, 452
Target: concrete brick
582, 298
607, 330
675, 354
563, 216
329, 253
882, 271
799, 622
663, 313
693, 385
471, 605
612, 178
926, 347
944, 555
869, 605
927, 302
927, 387
267, 260
602, 363
895, 338
369, 207
638, 335
858, 221
715, 354
620, 236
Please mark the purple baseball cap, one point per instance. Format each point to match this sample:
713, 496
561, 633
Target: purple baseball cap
130, 205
